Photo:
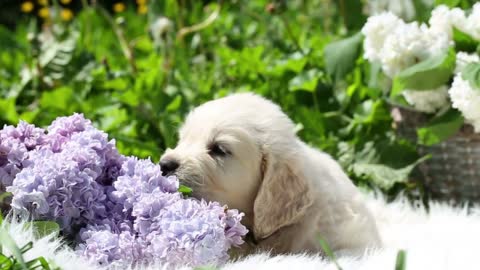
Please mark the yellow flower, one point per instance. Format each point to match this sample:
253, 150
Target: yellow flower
141, 2
43, 2
27, 7
118, 7
65, 1
44, 12
66, 14
142, 9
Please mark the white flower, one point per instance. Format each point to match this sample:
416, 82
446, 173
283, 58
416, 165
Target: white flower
463, 59
398, 45
467, 100
403, 48
159, 27
427, 101
437, 43
444, 19
376, 31
473, 22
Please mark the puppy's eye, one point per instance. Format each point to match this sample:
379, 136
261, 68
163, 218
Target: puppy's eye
219, 150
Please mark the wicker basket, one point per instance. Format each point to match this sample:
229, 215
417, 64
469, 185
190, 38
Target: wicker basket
453, 172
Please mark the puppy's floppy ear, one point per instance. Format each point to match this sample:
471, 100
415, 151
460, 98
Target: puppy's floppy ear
283, 196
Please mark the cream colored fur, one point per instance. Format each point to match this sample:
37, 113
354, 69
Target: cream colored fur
445, 238
290, 192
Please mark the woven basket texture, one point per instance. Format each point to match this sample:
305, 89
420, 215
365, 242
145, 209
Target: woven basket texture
453, 171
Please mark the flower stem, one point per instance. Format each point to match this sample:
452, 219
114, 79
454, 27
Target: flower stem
197, 27
126, 49
292, 36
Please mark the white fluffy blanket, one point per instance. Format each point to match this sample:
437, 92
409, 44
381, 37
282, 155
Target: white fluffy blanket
444, 238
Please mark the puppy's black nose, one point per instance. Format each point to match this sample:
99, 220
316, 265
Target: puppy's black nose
168, 166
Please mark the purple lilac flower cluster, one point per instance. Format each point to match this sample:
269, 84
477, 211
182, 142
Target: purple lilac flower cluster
15, 143
127, 212
60, 174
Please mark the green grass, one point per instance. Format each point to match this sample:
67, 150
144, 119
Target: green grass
328, 252
17, 261
400, 263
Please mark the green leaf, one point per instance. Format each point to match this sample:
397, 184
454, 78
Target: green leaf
26, 247
295, 62
205, 268
400, 263
422, 10
58, 52
306, 81
340, 56
185, 190
60, 98
375, 69
464, 42
39, 263
384, 176
348, 7
175, 104
8, 110
8, 243
345, 155
370, 111
119, 83
440, 128
5, 195
471, 73
393, 153
450, 3
29, 116
311, 121
112, 118
5, 262
17, 88
130, 97
144, 44
44, 228
426, 75
43, 262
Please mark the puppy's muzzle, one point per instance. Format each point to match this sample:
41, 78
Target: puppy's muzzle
169, 166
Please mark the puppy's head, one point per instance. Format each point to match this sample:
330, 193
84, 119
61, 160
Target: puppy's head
242, 151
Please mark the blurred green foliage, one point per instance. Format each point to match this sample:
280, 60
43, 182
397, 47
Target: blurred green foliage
138, 85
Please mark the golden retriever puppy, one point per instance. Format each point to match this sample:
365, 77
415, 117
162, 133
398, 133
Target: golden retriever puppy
242, 151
